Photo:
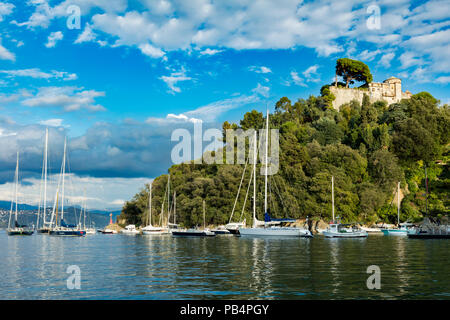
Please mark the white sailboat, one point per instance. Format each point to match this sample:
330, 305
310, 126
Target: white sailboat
17, 229
268, 226
60, 227
150, 229
403, 229
339, 230
205, 232
233, 227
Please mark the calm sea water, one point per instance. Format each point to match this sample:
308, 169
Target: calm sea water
162, 267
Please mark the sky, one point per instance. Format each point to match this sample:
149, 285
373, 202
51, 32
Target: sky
117, 77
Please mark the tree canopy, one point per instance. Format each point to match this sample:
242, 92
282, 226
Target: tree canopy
353, 70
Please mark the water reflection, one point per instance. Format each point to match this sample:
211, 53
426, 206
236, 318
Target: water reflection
163, 267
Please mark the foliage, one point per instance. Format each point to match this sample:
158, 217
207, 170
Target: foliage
352, 70
368, 148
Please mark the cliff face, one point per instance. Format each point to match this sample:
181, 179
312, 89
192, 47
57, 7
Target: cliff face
389, 90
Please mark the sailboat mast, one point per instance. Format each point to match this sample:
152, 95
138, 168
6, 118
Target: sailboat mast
63, 176
398, 203
204, 218
45, 173
174, 207
426, 191
332, 196
150, 206
17, 181
265, 171
168, 199
254, 180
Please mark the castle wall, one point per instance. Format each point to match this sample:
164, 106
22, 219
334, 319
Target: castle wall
389, 90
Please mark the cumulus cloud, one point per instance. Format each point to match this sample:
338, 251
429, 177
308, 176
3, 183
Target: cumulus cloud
5, 9
87, 35
53, 38
5, 54
69, 98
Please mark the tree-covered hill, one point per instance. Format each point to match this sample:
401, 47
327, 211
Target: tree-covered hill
367, 147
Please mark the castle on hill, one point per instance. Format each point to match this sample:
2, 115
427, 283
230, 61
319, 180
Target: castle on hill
390, 90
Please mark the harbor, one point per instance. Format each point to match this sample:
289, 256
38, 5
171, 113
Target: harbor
223, 267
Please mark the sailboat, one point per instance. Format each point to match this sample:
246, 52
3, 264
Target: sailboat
150, 229
339, 230
429, 229
402, 230
17, 230
60, 227
233, 227
205, 232
269, 227
45, 224
90, 229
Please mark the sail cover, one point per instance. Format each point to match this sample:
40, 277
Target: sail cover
19, 225
267, 218
65, 225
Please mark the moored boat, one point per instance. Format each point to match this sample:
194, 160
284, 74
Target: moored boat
18, 229
269, 227
130, 229
339, 230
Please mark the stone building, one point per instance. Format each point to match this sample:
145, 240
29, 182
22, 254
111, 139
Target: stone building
390, 90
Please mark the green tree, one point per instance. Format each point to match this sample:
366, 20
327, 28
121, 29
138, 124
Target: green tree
352, 70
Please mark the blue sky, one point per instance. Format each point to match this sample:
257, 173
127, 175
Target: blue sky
135, 70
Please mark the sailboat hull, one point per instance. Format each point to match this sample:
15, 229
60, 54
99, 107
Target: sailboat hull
67, 233
361, 234
394, 232
20, 232
275, 232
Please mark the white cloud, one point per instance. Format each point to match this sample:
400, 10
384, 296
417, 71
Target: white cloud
53, 38
386, 59
87, 35
151, 51
443, 79
5, 9
311, 74
36, 73
69, 98
5, 54
261, 90
260, 69
52, 122
297, 79
174, 78
210, 52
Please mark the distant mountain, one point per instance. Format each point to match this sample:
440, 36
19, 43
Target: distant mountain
6, 205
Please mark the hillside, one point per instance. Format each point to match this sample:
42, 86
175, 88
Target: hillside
368, 147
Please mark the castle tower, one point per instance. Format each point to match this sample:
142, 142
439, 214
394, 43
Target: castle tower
394, 87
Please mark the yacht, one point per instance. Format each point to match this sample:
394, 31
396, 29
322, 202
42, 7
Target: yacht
149, 228
195, 232
130, 229
17, 229
402, 229
270, 227
338, 230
